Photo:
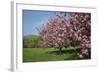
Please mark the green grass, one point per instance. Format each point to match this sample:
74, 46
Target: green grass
49, 54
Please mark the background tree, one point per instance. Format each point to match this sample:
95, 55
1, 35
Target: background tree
31, 41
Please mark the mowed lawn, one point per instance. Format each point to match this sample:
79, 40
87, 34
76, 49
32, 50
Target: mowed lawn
49, 54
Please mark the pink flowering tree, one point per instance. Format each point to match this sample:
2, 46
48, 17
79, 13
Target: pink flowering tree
82, 30
62, 30
55, 33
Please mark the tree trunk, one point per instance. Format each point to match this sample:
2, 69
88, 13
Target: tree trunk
60, 51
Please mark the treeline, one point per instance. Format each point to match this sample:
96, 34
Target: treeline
31, 41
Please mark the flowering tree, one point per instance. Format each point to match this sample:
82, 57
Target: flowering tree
55, 33
81, 23
62, 30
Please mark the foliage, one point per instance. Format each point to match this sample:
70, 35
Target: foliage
31, 41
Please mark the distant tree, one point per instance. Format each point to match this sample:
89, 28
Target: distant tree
31, 41
35, 41
27, 43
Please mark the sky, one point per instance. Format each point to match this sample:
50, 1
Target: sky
33, 19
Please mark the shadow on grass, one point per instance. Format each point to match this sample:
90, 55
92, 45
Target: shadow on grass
71, 54
65, 51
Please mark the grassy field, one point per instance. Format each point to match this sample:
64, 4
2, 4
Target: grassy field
49, 54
